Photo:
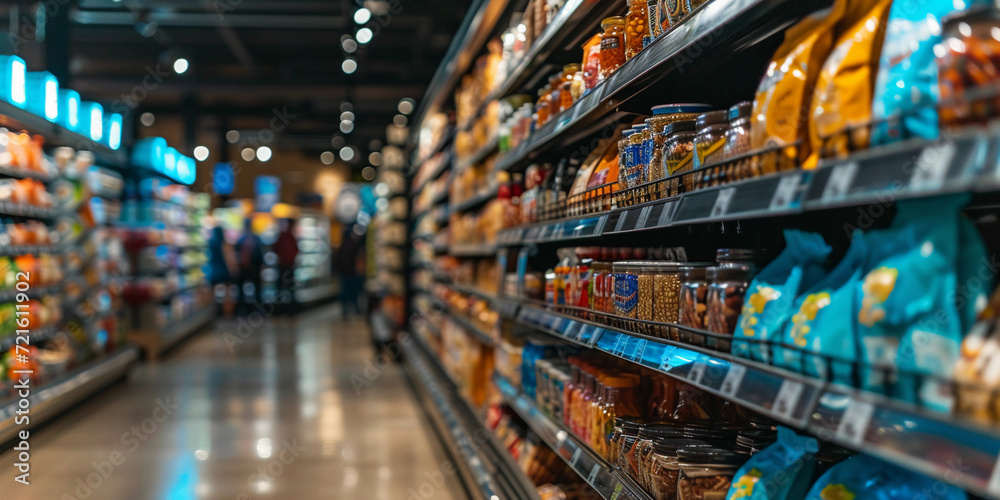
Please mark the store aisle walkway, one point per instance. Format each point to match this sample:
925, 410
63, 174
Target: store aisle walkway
276, 417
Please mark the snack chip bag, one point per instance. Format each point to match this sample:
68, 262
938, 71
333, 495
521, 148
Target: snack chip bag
779, 472
864, 477
772, 292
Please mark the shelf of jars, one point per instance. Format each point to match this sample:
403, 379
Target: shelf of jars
479, 155
472, 250
915, 437
606, 479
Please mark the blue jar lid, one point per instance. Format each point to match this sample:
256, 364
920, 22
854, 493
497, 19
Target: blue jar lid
670, 109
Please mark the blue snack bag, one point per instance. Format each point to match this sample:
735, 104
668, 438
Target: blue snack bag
779, 472
773, 291
865, 477
906, 86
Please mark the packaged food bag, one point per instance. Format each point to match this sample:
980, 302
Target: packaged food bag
779, 472
864, 477
906, 87
772, 292
778, 117
822, 320
978, 370
843, 94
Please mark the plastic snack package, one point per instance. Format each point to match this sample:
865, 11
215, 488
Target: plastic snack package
782, 471
843, 93
906, 88
785, 91
864, 477
772, 293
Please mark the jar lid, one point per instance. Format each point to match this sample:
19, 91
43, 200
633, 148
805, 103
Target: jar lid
660, 431
735, 255
571, 68
740, 110
708, 456
711, 118
628, 132
668, 447
672, 109
613, 21
681, 126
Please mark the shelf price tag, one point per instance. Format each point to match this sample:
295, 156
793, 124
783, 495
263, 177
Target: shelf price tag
734, 378
785, 193
839, 182
621, 221
593, 474
722, 202
854, 422
596, 336
668, 354
576, 457
643, 217
639, 350
697, 371
932, 167
787, 398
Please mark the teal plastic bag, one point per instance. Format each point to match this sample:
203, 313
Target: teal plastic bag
863, 477
772, 292
823, 320
781, 471
906, 86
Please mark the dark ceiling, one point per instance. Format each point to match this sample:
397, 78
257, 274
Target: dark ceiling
247, 58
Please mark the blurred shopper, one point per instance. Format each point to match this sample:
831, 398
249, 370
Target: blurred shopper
349, 264
250, 255
287, 249
223, 268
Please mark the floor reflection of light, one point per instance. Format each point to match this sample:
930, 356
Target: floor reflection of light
264, 448
384, 472
201, 455
262, 486
347, 452
350, 477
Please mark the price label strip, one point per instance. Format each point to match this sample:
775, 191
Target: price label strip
932, 167
786, 192
839, 182
854, 422
593, 474
734, 378
640, 349
576, 457
787, 398
697, 371
722, 202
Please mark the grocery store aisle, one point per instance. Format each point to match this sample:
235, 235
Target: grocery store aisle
277, 416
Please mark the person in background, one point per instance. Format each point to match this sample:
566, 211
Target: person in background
222, 266
250, 255
287, 249
349, 264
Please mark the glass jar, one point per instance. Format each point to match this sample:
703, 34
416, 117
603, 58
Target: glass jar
664, 115
678, 155
970, 62
626, 292
624, 160
694, 291
555, 95
738, 135
612, 45
727, 287
663, 470
542, 108
636, 27
706, 473
653, 21
592, 62
645, 444
578, 87
600, 295
621, 400
674, 10
666, 277
708, 148
637, 165
565, 92
626, 442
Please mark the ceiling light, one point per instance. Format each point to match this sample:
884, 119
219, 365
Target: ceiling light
364, 35
327, 157
180, 66
347, 116
337, 142
375, 159
232, 136
263, 153
349, 66
201, 153
406, 106
347, 153
400, 120
247, 154
368, 173
362, 16
346, 106
346, 127
349, 45
147, 119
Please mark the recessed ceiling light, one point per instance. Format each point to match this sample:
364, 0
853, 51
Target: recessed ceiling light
347, 116
346, 127
347, 153
201, 153
247, 154
375, 159
400, 120
405, 106
181, 66
327, 157
349, 66
368, 173
350, 46
147, 119
362, 15
364, 35
232, 136
263, 153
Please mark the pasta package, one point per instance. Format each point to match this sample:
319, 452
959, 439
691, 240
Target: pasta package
783, 94
843, 95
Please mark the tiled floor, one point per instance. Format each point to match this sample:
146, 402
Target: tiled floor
277, 416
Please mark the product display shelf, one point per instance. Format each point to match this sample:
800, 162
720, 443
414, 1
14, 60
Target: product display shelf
486, 468
445, 140
463, 321
35, 335
442, 168
53, 398
8, 209
479, 155
475, 201
476, 292
15, 118
675, 60
929, 442
607, 480
959, 163
473, 250
16, 250
20, 173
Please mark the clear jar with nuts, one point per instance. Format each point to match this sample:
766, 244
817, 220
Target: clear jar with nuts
727, 287
636, 27
626, 292
678, 155
666, 277
694, 292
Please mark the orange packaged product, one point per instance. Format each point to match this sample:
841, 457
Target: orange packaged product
592, 62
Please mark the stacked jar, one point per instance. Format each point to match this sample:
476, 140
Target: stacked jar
693, 305
705, 472
612, 46
637, 173
566, 86
626, 293
727, 286
624, 161
642, 450
708, 147
663, 116
623, 439
636, 28
678, 155
619, 398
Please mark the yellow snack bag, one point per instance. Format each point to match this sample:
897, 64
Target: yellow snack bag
844, 89
780, 113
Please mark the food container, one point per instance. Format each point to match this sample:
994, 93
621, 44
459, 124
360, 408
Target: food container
738, 135
599, 295
636, 28
653, 21
662, 116
624, 159
644, 446
678, 155
542, 108
565, 86
659, 297
624, 441
708, 145
612, 45
693, 295
620, 399
626, 292
555, 95
663, 471
706, 473
637, 173
727, 286
674, 11
971, 61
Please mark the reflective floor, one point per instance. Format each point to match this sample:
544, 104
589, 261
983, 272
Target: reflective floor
283, 414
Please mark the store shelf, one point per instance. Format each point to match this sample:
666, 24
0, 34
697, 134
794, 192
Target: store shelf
475, 292
8, 209
15, 118
928, 442
54, 398
476, 201
466, 324
20, 173
485, 466
480, 155
723, 27
443, 167
445, 140
35, 336
607, 480
18, 250
187, 326
464, 250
